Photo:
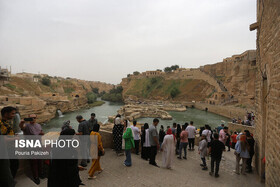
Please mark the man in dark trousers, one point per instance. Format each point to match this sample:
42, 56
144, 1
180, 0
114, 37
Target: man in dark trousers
216, 149
83, 130
153, 133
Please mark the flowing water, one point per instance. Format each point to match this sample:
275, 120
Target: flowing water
200, 118
102, 112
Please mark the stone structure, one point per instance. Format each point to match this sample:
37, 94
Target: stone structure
152, 73
4, 76
132, 112
227, 111
268, 90
236, 76
240, 128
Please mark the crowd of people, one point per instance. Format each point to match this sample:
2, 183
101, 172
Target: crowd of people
249, 119
172, 141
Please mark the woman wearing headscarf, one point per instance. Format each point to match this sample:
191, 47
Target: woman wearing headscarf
178, 133
241, 152
96, 151
146, 142
117, 135
129, 144
65, 172
168, 148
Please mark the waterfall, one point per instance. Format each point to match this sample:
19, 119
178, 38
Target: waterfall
59, 113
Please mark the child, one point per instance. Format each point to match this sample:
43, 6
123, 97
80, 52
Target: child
129, 144
216, 149
202, 150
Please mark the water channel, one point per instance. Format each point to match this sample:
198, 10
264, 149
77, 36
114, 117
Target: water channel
108, 109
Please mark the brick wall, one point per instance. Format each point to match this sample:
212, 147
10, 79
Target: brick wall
268, 90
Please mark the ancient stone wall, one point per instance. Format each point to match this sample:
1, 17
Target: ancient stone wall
268, 90
237, 74
239, 127
227, 111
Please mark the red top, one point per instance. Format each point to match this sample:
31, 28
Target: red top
233, 137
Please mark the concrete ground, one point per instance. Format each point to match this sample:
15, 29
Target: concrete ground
184, 173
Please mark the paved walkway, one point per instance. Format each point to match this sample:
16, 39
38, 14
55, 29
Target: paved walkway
184, 173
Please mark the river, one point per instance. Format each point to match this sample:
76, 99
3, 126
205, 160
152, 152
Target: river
200, 118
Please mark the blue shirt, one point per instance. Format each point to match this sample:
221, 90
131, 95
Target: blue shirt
243, 154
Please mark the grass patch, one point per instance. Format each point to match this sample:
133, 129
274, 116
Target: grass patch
68, 90
10, 86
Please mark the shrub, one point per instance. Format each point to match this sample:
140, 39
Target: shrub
46, 81
174, 92
91, 97
10, 86
95, 90
154, 80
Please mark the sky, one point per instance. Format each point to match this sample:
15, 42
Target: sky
104, 40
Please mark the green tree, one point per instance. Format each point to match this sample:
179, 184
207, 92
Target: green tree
167, 69
91, 97
46, 81
174, 67
136, 73
95, 90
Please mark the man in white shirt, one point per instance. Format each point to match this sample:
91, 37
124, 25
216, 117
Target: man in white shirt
207, 132
191, 131
136, 133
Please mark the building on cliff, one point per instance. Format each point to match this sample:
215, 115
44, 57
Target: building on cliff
5, 76
268, 90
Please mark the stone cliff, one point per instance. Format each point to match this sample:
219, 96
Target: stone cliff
231, 82
237, 74
27, 92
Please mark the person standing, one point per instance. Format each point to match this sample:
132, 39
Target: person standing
129, 144
183, 142
33, 128
228, 141
207, 132
83, 130
161, 134
136, 133
96, 148
241, 152
251, 143
6, 171
168, 149
117, 135
145, 153
93, 123
191, 132
16, 121
233, 140
216, 150
202, 150
153, 137
178, 132
174, 130
65, 172
220, 128
222, 135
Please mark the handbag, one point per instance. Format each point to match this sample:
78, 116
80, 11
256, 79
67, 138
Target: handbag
101, 153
